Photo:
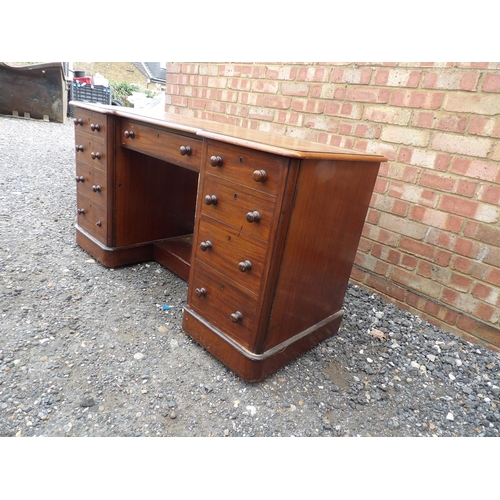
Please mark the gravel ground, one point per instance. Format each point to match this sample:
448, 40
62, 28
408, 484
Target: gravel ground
90, 351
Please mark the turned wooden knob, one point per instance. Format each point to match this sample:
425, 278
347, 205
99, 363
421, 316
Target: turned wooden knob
200, 292
211, 199
95, 155
98, 223
236, 316
245, 266
216, 161
78, 121
95, 127
79, 148
259, 176
80, 178
96, 189
185, 150
81, 211
205, 245
253, 216
129, 134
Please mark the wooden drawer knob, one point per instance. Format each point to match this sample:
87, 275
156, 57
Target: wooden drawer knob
95, 155
245, 266
211, 199
253, 216
129, 134
78, 121
236, 316
259, 176
79, 148
216, 161
96, 189
95, 127
185, 150
81, 211
80, 178
200, 292
205, 245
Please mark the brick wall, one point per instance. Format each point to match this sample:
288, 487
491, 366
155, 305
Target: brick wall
431, 241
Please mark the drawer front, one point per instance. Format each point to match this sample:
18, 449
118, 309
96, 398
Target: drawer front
234, 254
174, 148
226, 305
91, 123
91, 149
91, 182
92, 218
242, 208
262, 171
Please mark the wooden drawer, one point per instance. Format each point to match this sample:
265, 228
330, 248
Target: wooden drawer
245, 209
91, 149
174, 148
217, 298
93, 184
262, 171
91, 123
93, 217
231, 252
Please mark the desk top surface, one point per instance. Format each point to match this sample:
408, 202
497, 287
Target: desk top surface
263, 141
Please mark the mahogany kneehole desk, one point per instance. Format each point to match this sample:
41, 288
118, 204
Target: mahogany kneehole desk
263, 227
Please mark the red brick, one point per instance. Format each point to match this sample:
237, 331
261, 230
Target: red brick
424, 119
491, 83
466, 247
479, 330
461, 264
442, 257
489, 194
458, 206
438, 181
442, 161
493, 277
409, 262
404, 154
449, 296
466, 187
486, 312
417, 248
365, 245
333, 108
460, 282
481, 291
425, 269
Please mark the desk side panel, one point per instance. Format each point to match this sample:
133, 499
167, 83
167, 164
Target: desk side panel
331, 203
